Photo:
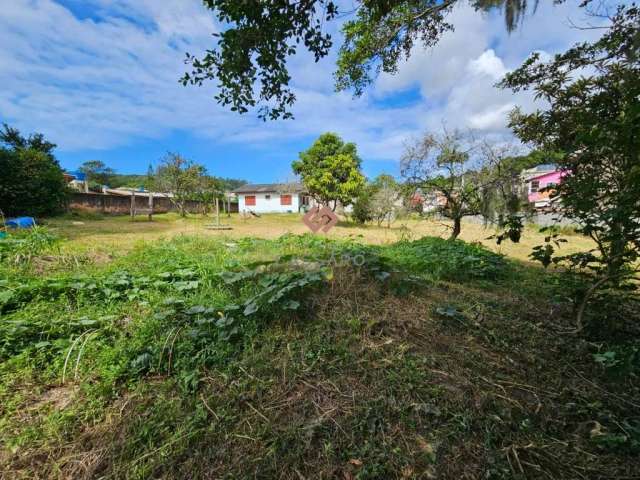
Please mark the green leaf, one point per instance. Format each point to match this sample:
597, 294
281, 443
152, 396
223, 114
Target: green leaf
291, 305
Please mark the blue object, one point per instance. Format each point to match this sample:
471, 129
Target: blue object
81, 177
21, 222
3, 235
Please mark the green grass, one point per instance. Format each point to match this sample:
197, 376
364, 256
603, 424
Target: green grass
302, 357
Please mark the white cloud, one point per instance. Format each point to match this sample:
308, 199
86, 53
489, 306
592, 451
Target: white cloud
488, 64
104, 81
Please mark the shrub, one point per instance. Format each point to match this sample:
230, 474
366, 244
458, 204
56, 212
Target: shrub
21, 247
446, 259
32, 182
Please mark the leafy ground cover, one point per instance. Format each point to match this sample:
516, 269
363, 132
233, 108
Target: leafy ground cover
304, 357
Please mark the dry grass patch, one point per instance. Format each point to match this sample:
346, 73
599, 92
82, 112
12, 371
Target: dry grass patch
120, 234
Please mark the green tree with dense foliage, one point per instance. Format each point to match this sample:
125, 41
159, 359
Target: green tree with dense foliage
180, 177
362, 211
31, 180
97, 172
593, 118
330, 170
249, 61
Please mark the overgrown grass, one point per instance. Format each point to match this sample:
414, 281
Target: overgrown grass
303, 357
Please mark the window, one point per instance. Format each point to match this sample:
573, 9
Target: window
285, 199
250, 200
535, 186
267, 197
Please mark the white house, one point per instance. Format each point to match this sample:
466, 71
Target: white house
272, 198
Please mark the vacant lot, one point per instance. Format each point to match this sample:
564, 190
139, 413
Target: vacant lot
121, 233
198, 354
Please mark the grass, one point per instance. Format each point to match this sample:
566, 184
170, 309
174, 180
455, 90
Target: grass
191, 354
120, 233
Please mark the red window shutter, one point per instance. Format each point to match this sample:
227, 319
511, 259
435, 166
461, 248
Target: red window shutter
250, 200
285, 199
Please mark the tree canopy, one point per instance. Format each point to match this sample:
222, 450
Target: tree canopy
31, 180
593, 118
181, 177
97, 172
330, 170
440, 164
249, 61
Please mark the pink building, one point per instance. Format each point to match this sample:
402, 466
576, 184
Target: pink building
542, 199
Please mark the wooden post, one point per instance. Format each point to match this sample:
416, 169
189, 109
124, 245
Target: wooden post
150, 206
217, 212
133, 206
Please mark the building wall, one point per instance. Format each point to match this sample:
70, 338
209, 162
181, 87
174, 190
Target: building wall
121, 204
269, 205
553, 178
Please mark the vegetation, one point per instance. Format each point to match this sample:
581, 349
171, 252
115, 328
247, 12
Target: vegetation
369, 355
259, 38
97, 172
309, 357
378, 201
31, 182
593, 92
442, 165
330, 170
183, 178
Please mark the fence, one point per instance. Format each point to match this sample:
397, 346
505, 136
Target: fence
121, 204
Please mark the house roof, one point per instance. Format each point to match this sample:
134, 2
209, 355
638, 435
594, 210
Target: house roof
546, 174
545, 167
269, 188
81, 177
529, 173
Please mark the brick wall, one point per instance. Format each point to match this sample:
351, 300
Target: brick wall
121, 205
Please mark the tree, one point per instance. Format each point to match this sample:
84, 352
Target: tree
377, 201
330, 170
180, 177
208, 190
31, 180
13, 139
97, 172
385, 195
259, 37
593, 118
362, 208
442, 164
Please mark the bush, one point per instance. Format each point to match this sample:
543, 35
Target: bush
447, 259
20, 247
362, 211
31, 183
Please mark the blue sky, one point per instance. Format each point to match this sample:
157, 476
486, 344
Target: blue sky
100, 79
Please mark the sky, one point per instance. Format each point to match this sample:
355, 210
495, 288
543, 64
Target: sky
100, 79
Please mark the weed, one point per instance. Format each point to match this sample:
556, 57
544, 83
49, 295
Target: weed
304, 357
20, 247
